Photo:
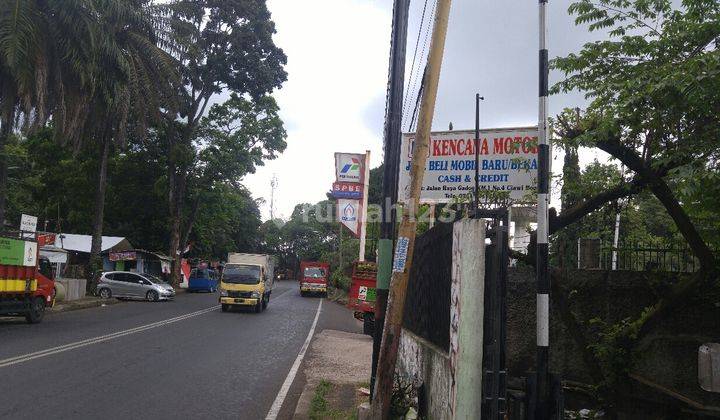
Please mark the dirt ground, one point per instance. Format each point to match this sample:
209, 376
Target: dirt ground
343, 360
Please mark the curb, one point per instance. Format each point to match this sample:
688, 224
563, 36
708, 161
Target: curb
82, 304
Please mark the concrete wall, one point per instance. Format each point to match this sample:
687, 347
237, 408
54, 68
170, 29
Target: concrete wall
422, 362
667, 357
70, 289
452, 378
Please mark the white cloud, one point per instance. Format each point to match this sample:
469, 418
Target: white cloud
337, 68
338, 51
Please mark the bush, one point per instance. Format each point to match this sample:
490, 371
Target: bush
340, 280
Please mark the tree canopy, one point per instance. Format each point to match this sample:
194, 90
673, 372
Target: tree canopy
653, 86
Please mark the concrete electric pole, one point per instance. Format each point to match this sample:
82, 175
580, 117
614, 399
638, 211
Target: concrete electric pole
402, 260
391, 166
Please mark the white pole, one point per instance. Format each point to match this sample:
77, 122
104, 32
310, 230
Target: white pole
363, 212
617, 230
615, 241
542, 403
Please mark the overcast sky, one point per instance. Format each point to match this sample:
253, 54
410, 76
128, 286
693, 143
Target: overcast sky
334, 99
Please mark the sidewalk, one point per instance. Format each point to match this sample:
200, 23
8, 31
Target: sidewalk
338, 365
83, 303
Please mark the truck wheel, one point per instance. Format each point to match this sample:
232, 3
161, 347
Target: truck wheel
225, 307
258, 307
369, 324
36, 312
105, 293
303, 294
265, 302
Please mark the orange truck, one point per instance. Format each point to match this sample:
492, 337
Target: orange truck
26, 284
314, 277
361, 296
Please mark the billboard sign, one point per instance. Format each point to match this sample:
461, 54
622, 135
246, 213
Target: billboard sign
347, 190
18, 252
348, 212
349, 167
28, 223
507, 163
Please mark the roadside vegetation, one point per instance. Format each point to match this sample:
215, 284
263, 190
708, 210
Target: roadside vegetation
323, 404
138, 118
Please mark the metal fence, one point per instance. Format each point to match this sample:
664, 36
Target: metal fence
636, 256
427, 306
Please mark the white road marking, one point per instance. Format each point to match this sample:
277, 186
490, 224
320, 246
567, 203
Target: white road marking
280, 398
95, 340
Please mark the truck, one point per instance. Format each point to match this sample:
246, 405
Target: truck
26, 281
314, 278
361, 296
247, 281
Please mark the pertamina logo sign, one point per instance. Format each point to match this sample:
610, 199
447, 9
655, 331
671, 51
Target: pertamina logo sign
349, 167
349, 214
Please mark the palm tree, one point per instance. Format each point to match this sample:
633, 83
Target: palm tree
45, 52
135, 78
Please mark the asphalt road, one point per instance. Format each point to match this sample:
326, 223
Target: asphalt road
163, 360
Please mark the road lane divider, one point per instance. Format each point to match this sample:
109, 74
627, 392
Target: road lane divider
100, 339
280, 398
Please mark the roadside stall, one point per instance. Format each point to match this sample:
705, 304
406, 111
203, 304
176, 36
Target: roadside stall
138, 261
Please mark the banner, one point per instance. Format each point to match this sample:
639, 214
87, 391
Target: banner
347, 190
507, 163
123, 256
348, 212
18, 252
349, 167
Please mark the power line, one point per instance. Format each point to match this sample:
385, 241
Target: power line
416, 69
417, 101
412, 66
422, 56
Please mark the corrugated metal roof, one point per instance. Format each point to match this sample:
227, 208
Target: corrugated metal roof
82, 243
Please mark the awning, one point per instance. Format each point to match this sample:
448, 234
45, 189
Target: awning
54, 255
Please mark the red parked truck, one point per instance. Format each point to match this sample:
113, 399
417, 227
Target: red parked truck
26, 284
361, 297
314, 277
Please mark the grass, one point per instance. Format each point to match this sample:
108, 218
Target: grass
319, 403
320, 407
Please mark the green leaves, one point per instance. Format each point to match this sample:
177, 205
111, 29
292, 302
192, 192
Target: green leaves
237, 136
226, 44
654, 86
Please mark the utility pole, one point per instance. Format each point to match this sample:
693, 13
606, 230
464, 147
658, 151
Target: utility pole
391, 166
478, 98
340, 248
402, 260
543, 405
363, 210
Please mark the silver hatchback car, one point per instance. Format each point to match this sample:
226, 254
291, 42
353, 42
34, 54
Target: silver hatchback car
124, 284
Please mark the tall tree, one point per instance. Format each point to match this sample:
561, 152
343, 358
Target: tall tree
233, 139
46, 57
135, 78
227, 45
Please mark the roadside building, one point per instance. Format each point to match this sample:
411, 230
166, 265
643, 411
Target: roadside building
78, 248
139, 261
